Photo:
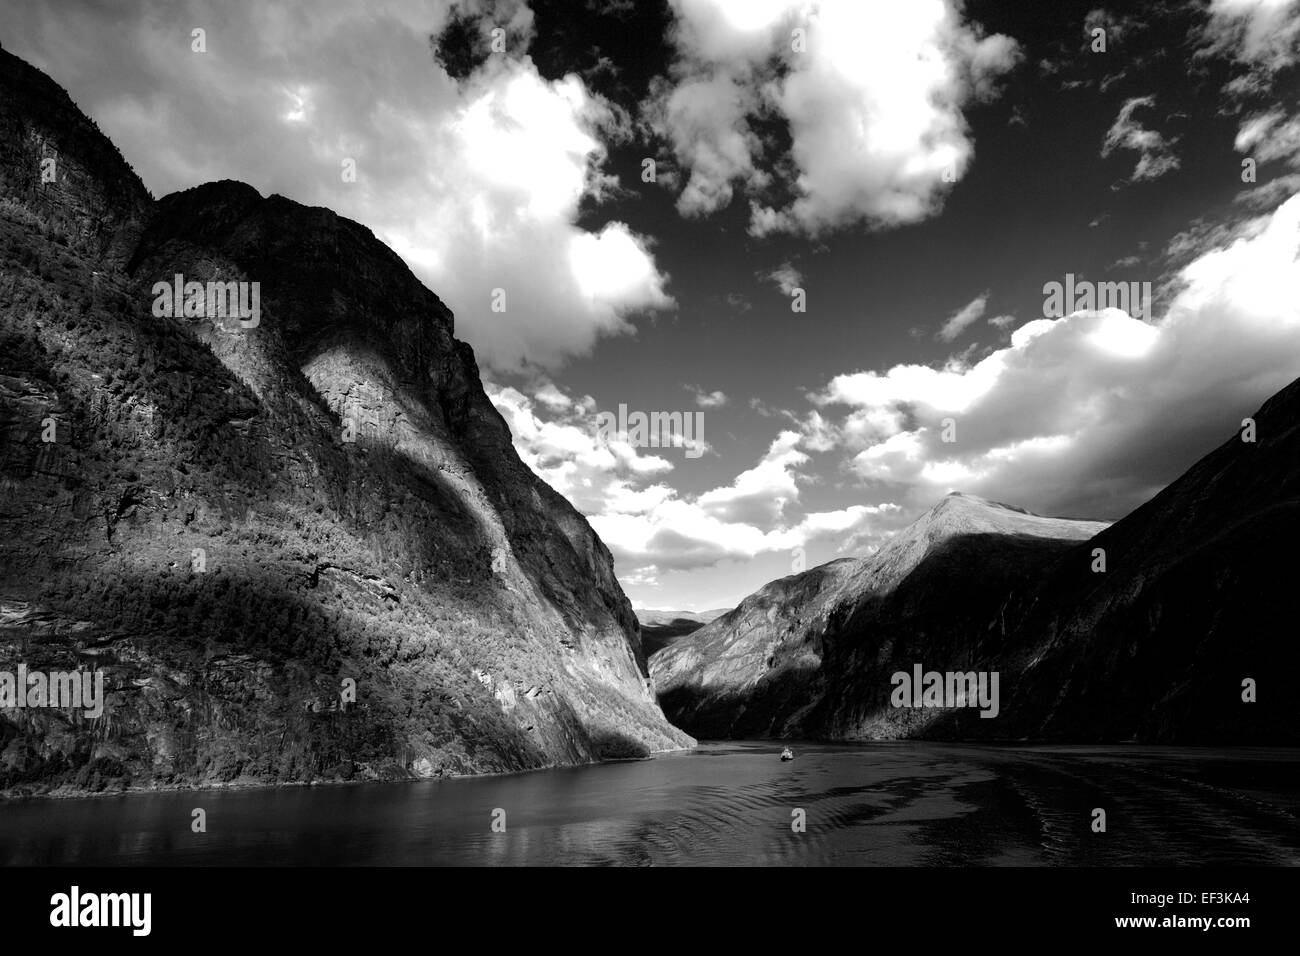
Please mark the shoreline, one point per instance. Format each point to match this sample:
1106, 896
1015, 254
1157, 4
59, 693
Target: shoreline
66, 792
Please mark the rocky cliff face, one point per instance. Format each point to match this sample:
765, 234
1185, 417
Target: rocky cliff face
238, 522
59, 173
1192, 614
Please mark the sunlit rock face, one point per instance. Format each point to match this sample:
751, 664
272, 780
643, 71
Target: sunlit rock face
299, 545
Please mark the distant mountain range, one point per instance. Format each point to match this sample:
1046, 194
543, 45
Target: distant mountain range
299, 548
1156, 628
661, 628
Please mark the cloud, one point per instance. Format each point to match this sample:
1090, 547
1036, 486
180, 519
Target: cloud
972, 311
1002, 321
561, 443
760, 494
1269, 194
1270, 136
786, 277
1155, 156
475, 182
1091, 414
714, 399
1108, 81
711, 137
1203, 236
1116, 28
737, 303
1261, 36
872, 101
651, 528
552, 397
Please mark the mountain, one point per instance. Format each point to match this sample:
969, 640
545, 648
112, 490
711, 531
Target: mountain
786, 662
661, 628
1191, 615
654, 616
1199, 595
299, 548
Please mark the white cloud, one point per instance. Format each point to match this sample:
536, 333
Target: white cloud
1092, 413
1117, 28
873, 105
957, 323
1269, 194
1266, 137
476, 184
714, 399
1254, 128
1155, 153
507, 170
711, 137
652, 528
760, 495
1261, 36
1204, 236
552, 397
786, 277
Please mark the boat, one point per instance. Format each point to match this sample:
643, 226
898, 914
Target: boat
787, 754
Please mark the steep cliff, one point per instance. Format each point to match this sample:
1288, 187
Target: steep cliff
60, 173
236, 520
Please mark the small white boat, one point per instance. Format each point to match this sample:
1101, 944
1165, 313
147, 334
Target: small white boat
787, 754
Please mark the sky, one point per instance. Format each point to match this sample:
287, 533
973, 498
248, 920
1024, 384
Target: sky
822, 232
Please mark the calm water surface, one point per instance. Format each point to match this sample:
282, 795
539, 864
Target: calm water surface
725, 803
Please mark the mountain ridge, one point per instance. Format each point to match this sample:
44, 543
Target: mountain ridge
775, 644
1145, 629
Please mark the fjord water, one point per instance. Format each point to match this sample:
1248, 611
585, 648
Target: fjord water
898, 803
